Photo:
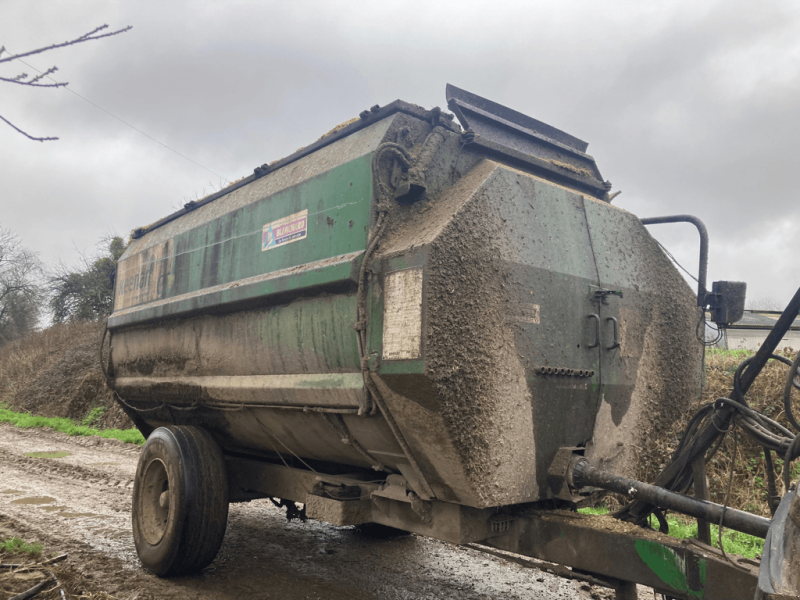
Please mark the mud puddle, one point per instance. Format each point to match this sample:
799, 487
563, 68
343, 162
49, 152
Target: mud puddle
48, 454
34, 500
45, 503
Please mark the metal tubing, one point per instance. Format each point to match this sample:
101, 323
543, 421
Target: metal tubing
583, 474
701, 493
702, 274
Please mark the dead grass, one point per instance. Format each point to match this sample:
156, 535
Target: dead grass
748, 491
30, 570
56, 373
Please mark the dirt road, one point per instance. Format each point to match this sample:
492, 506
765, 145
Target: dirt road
79, 503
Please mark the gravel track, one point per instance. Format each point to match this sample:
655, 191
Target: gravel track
80, 504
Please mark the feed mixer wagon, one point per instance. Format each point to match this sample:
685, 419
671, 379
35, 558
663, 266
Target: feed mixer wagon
428, 320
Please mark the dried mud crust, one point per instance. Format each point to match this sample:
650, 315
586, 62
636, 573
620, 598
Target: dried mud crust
262, 555
470, 358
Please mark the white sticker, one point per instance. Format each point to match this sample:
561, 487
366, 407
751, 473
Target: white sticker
402, 314
285, 231
529, 313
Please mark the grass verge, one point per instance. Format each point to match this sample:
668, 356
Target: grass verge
684, 528
68, 426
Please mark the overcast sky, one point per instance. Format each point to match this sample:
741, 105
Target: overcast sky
688, 107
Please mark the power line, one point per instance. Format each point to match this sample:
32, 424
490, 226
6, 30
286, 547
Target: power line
126, 123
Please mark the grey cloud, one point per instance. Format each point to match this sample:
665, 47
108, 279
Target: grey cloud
687, 107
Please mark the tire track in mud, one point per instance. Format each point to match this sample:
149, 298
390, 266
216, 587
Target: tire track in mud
262, 556
84, 495
49, 466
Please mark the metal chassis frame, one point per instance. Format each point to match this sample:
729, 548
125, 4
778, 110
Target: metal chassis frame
599, 550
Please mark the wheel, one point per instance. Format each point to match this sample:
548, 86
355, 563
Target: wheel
180, 501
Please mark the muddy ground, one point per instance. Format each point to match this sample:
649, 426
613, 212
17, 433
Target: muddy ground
80, 504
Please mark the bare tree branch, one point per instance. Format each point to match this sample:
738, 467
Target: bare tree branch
22, 78
31, 84
84, 38
35, 139
49, 71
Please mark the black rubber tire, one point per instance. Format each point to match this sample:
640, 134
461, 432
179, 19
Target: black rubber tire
180, 501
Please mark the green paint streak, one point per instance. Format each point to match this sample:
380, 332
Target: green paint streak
320, 276
315, 334
228, 248
702, 565
669, 567
331, 381
404, 367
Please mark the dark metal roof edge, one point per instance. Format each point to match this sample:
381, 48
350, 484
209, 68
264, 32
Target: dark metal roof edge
795, 326
527, 122
519, 128
367, 118
590, 185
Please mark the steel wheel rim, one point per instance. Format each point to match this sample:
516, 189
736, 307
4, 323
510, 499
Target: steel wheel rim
154, 502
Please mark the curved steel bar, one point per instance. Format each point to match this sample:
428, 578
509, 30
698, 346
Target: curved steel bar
702, 274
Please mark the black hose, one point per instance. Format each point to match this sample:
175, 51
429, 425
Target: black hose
772, 488
791, 381
696, 442
791, 454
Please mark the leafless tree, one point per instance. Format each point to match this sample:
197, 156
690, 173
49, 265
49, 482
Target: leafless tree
20, 290
38, 81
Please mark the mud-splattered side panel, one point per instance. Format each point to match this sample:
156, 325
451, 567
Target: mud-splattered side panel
650, 354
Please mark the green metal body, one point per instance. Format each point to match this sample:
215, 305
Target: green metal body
474, 294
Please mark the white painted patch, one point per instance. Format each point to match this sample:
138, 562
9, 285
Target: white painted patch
144, 277
530, 313
402, 315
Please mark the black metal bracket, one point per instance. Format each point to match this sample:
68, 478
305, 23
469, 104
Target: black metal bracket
601, 296
726, 301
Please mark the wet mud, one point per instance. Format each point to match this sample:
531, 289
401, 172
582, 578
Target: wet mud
87, 515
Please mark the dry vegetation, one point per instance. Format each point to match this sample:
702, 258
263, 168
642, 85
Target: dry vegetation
55, 373
26, 565
749, 489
